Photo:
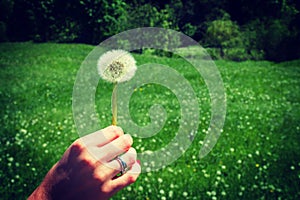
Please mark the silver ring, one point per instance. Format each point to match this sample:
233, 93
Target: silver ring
123, 165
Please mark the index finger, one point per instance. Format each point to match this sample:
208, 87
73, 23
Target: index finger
103, 136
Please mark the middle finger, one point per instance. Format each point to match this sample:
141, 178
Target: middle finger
111, 150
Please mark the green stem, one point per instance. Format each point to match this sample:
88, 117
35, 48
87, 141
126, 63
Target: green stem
114, 105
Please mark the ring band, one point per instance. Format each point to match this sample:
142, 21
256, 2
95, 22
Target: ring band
123, 165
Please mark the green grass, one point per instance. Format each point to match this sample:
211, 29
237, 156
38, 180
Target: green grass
256, 157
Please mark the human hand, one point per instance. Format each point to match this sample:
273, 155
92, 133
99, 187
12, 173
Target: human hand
88, 170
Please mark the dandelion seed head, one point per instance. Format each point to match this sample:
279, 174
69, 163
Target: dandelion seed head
116, 66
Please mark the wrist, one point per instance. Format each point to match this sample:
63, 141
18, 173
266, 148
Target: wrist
43, 191
39, 193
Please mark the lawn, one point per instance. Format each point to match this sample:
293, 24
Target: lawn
256, 157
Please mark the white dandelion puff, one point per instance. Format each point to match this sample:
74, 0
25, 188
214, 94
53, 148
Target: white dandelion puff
116, 66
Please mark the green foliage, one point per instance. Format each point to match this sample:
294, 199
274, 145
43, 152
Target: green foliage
189, 29
144, 16
256, 157
252, 35
214, 53
275, 39
236, 54
223, 33
265, 29
3, 36
6, 9
257, 54
115, 17
148, 15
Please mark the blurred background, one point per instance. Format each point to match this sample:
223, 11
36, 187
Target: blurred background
255, 45
237, 30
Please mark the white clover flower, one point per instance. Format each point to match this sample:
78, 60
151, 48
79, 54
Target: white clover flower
116, 66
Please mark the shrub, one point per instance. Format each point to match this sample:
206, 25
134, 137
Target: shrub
214, 53
274, 40
236, 54
257, 54
223, 33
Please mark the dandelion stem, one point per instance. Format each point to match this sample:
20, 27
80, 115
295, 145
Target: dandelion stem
114, 105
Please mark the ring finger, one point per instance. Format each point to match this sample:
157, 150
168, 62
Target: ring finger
116, 167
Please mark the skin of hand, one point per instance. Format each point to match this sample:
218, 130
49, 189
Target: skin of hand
88, 170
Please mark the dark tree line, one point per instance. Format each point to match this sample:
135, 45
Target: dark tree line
237, 30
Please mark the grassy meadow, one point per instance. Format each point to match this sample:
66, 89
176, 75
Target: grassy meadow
256, 157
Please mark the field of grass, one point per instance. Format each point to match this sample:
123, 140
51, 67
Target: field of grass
257, 155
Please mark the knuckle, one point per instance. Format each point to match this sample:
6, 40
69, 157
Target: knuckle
132, 151
78, 143
131, 156
76, 149
131, 179
118, 131
85, 157
99, 177
131, 161
107, 189
127, 141
97, 155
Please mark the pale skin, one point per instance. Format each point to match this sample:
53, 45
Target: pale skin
88, 170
